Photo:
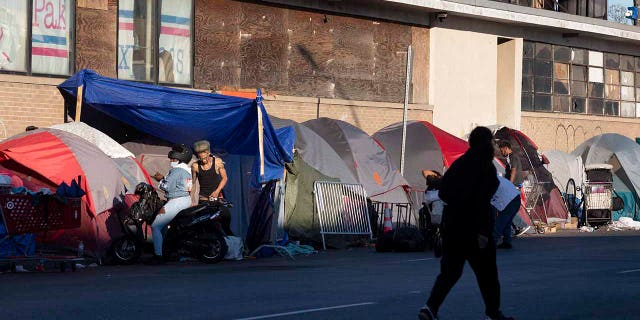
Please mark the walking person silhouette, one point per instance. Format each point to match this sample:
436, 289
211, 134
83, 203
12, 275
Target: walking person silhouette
468, 222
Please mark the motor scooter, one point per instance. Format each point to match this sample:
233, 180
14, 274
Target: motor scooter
195, 231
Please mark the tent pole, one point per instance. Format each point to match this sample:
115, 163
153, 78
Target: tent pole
407, 86
79, 103
260, 139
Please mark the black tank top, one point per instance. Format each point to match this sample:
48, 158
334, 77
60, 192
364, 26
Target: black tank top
209, 179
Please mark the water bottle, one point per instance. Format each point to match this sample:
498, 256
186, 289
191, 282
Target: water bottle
81, 249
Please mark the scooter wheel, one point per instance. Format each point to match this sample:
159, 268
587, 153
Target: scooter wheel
126, 250
213, 251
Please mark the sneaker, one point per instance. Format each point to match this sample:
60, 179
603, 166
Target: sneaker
522, 231
20, 268
426, 314
501, 317
505, 245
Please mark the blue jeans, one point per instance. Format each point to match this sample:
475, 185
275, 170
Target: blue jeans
171, 209
504, 219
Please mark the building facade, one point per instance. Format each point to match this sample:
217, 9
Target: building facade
561, 77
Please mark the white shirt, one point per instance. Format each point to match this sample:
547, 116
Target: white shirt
506, 193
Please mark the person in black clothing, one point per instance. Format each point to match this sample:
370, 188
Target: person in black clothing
210, 173
468, 222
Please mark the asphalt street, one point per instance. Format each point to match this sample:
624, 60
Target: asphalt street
559, 277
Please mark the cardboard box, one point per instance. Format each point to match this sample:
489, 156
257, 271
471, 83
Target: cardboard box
569, 226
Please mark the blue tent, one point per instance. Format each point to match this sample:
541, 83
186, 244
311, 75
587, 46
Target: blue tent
232, 124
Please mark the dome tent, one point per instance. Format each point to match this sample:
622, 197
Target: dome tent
427, 147
369, 163
56, 156
624, 154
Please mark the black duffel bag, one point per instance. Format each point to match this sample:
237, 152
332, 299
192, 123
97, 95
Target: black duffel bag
405, 239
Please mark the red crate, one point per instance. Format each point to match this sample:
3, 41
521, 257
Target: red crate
21, 216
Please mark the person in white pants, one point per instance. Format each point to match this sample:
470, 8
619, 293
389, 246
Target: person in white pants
176, 185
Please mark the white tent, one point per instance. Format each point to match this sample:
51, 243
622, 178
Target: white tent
564, 166
624, 155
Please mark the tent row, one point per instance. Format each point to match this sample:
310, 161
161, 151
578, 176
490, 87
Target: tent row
614, 149
125, 129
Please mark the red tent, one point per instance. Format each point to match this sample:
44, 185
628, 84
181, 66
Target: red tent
550, 207
54, 156
427, 147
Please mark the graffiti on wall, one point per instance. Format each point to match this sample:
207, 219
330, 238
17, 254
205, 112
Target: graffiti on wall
564, 136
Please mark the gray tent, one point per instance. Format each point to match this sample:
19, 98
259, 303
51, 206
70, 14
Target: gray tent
316, 152
314, 160
369, 163
427, 147
624, 154
564, 166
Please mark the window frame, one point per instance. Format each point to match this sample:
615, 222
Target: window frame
587, 65
29, 45
157, 15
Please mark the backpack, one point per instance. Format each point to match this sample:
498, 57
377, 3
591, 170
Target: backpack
149, 204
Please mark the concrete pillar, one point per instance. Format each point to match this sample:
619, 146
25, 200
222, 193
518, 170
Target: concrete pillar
509, 82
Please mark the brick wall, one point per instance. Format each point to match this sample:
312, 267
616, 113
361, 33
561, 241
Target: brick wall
367, 115
558, 131
26, 101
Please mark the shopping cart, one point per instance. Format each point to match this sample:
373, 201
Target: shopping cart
532, 191
598, 193
24, 214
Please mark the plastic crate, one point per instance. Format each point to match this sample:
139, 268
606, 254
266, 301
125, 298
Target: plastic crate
22, 215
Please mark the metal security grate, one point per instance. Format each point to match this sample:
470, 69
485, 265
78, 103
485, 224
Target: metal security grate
342, 209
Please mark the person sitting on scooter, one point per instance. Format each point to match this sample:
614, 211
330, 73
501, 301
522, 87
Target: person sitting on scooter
210, 173
176, 185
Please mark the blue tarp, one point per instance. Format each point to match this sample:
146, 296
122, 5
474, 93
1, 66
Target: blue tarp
183, 116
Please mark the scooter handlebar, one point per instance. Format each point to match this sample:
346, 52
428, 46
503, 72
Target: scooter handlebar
220, 201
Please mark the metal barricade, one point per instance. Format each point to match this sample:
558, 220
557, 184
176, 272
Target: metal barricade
342, 209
